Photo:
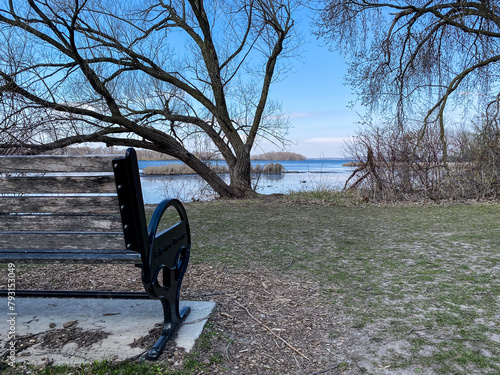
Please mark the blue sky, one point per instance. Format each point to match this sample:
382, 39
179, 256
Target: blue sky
316, 100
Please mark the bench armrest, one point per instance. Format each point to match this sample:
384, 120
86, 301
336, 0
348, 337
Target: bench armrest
168, 251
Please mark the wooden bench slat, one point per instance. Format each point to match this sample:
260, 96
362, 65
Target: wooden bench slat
55, 163
94, 223
73, 227
57, 185
61, 255
62, 240
101, 205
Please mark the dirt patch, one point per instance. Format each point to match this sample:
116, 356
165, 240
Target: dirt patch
145, 342
76, 276
263, 323
57, 338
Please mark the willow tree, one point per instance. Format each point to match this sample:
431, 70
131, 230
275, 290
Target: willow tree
419, 62
151, 74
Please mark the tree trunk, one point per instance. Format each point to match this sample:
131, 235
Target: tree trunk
240, 170
240, 185
209, 176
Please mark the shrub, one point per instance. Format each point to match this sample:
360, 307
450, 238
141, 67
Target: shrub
401, 164
273, 168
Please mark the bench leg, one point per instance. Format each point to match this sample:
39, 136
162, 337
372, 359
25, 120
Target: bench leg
172, 317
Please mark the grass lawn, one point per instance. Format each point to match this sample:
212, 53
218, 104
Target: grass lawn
418, 286
412, 289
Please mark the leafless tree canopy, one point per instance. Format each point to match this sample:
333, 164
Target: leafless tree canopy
420, 67
151, 74
411, 60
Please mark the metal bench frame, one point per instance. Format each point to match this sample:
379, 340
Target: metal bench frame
166, 252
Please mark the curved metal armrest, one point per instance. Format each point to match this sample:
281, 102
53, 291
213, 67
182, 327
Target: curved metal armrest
168, 250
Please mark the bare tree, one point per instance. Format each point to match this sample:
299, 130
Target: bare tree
149, 74
415, 61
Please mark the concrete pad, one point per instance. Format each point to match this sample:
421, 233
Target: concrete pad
124, 320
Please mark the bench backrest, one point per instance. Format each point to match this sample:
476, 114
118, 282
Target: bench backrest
128, 186
164, 252
60, 205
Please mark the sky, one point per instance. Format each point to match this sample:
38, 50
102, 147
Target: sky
316, 100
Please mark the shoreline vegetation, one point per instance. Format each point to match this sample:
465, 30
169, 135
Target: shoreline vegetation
183, 169
353, 164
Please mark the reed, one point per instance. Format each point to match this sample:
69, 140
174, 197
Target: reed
183, 169
179, 169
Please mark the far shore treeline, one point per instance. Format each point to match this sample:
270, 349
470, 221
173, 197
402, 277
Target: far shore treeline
153, 155
182, 169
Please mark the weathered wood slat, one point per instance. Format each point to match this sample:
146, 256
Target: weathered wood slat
62, 240
53, 163
94, 223
57, 185
60, 255
60, 205
82, 226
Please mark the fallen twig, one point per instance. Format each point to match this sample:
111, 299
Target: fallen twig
270, 356
227, 350
264, 288
271, 331
196, 320
227, 315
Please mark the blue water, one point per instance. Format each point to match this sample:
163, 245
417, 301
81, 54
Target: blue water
310, 174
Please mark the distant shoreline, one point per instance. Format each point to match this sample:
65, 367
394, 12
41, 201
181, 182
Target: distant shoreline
269, 160
269, 167
253, 172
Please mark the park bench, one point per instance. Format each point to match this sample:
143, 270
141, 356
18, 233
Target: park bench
79, 209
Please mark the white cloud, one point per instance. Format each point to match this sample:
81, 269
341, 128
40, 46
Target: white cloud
301, 114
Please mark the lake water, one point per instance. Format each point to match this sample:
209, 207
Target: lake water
310, 174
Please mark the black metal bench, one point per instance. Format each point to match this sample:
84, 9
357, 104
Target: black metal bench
67, 209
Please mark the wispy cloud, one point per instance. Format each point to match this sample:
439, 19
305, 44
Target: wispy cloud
301, 114
326, 140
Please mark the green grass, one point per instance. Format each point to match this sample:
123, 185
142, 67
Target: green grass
423, 275
426, 278
97, 368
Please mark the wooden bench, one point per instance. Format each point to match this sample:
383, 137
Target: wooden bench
79, 209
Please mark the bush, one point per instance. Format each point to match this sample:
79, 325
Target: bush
396, 164
273, 168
